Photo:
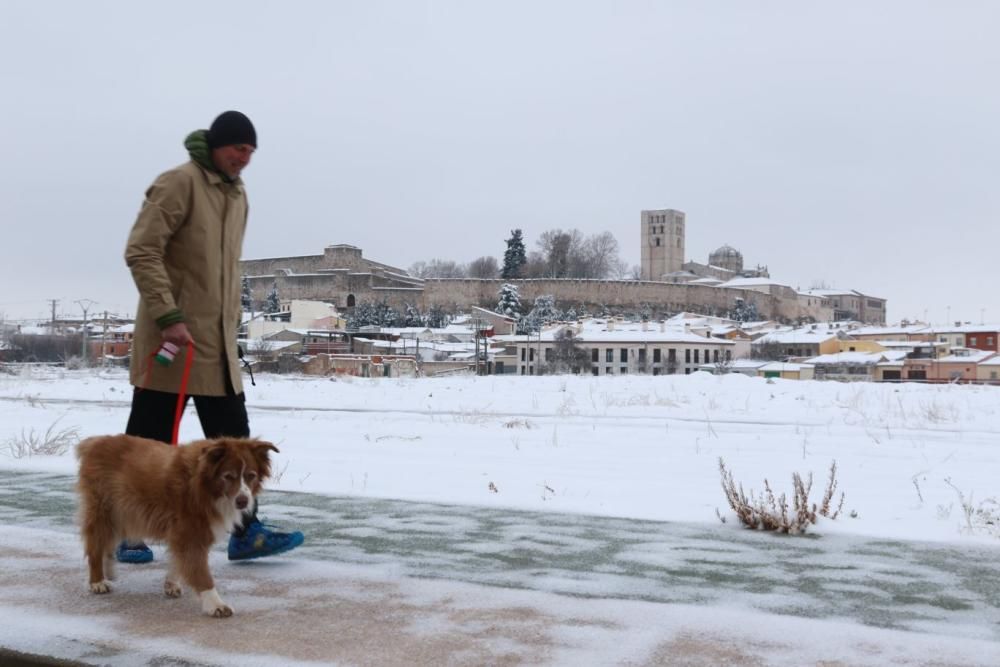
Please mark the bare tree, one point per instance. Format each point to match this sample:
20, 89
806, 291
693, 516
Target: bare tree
599, 255
568, 357
568, 254
768, 351
484, 267
560, 251
438, 268
535, 267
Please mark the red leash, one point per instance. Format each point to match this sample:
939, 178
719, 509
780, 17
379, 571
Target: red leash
181, 396
179, 411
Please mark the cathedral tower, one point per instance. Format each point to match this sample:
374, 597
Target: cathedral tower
662, 242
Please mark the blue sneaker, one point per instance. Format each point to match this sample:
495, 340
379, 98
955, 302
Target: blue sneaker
133, 553
260, 540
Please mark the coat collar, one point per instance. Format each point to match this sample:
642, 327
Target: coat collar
215, 178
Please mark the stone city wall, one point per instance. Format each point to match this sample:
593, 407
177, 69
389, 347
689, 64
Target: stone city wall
336, 286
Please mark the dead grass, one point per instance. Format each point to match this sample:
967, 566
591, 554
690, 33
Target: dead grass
54, 441
770, 512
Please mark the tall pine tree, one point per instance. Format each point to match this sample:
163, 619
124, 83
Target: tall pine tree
272, 304
514, 257
509, 301
245, 300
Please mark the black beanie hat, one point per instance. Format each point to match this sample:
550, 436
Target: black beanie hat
231, 127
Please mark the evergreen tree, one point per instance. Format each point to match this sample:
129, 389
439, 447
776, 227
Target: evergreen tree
363, 315
245, 299
272, 304
544, 311
744, 312
385, 315
436, 317
514, 257
509, 303
412, 317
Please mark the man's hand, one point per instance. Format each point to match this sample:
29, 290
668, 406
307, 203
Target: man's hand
177, 334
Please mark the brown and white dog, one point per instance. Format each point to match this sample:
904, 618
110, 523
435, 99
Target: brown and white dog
188, 497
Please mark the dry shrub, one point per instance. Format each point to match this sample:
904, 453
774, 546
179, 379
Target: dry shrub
53, 442
767, 512
518, 423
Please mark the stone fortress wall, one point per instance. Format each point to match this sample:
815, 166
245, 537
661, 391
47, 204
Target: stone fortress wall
344, 277
318, 277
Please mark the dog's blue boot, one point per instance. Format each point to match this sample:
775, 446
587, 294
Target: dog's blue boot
261, 540
133, 553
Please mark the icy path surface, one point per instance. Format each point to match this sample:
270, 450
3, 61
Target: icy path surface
926, 590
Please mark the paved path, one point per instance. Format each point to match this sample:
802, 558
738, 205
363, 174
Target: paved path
539, 580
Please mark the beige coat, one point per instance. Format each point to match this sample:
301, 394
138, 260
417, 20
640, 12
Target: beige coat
184, 253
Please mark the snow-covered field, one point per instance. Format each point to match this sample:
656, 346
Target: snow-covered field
911, 458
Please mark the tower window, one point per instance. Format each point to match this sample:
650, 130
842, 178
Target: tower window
657, 241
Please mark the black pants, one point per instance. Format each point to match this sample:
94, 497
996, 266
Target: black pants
152, 417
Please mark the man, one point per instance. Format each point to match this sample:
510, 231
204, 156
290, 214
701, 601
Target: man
184, 252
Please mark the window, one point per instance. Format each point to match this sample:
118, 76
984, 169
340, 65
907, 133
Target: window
531, 354
696, 356
656, 355
522, 353
972, 341
548, 354
715, 356
593, 355
687, 356
624, 354
609, 370
609, 355
989, 341
624, 370
657, 241
642, 355
672, 355
595, 370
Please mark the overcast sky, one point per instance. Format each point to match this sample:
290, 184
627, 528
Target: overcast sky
852, 143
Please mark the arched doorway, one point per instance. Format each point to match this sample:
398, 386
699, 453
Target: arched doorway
350, 301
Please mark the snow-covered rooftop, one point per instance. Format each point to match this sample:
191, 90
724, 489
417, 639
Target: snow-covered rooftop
797, 337
862, 358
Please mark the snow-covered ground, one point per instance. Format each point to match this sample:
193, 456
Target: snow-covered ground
636, 447
633, 446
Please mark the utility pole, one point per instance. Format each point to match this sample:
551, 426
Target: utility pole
85, 305
52, 325
104, 335
538, 358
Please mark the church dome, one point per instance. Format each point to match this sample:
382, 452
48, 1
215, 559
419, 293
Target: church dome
727, 257
727, 251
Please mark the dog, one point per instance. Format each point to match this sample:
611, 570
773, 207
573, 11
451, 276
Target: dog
189, 497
